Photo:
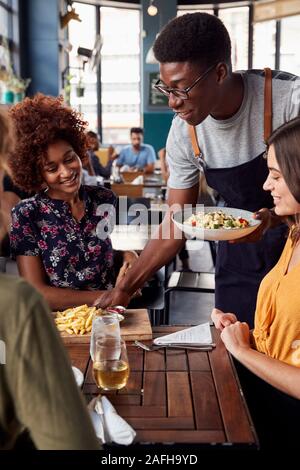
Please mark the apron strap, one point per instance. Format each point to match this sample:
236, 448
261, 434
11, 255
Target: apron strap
267, 115
194, 140
268, 104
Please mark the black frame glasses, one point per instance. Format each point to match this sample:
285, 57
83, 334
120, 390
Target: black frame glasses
183, 94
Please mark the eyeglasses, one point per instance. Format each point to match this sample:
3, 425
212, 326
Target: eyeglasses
183, 94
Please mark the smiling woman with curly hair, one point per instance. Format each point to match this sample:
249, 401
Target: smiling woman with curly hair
39, 122
54, 233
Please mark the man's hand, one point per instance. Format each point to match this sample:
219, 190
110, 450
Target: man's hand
268, 220
112, 298
236, 338
221, 319
118, 296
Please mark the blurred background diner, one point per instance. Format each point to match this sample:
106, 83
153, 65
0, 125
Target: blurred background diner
137, 156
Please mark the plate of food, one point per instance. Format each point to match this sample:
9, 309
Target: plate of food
214, 223
77, 321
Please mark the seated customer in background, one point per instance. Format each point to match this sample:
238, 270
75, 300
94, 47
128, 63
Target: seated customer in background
271, 355
89, 177
137, 156
55, 234
93, 144
38, 391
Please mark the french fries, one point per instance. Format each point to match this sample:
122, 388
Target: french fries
77, 320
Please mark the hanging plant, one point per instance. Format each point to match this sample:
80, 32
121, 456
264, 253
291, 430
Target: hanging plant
80, 89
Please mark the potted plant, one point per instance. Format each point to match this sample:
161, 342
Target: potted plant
67, 88
5, 73
13, 87
18, 86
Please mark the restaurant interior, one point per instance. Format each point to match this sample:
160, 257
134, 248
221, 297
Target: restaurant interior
100, 60
98, 55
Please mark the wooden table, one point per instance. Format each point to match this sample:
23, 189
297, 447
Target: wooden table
178, 396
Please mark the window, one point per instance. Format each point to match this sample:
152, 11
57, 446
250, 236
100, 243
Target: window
120, 72
82, 79
9, 54
4, 21
236, 21
264, 45
289, 47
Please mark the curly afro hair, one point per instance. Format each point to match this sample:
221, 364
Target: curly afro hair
194, 37
39, 122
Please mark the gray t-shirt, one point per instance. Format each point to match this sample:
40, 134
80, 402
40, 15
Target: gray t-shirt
232, 142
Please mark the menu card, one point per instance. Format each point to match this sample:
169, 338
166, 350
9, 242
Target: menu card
199, 334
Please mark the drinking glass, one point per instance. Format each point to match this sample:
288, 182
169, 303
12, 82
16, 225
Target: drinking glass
104, 326
110, 366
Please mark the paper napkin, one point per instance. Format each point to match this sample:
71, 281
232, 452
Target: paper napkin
108, 425
199, 334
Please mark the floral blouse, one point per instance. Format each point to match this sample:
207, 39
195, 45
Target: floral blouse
71, 252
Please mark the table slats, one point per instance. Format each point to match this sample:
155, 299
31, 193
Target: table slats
177, 396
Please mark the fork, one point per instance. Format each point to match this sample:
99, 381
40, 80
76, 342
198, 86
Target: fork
196, 347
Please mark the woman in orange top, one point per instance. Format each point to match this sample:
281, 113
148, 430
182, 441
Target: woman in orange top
272, 352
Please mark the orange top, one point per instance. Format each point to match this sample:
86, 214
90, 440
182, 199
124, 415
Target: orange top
277, 317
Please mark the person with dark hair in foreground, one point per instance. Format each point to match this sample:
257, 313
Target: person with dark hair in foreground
271, 376
221, 122
39, 395
137, 156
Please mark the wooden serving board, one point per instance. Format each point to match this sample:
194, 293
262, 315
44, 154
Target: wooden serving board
136, 325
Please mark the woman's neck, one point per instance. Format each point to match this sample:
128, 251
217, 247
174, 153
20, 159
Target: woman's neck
72, 199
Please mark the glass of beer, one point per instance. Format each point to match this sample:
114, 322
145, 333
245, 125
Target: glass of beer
110, 366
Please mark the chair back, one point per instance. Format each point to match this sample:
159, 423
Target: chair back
102, 155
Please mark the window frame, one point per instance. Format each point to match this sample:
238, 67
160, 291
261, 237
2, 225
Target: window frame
98, 4
13, 30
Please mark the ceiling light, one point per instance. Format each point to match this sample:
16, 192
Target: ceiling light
152, 9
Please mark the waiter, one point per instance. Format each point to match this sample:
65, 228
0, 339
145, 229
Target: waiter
222, 121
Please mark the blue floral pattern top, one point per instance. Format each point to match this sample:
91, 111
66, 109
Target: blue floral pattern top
71, 251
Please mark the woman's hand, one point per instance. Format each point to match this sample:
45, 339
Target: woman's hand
268, 219
112, 154
221, 319
236, 338
121, 275
130, 257
123, 270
